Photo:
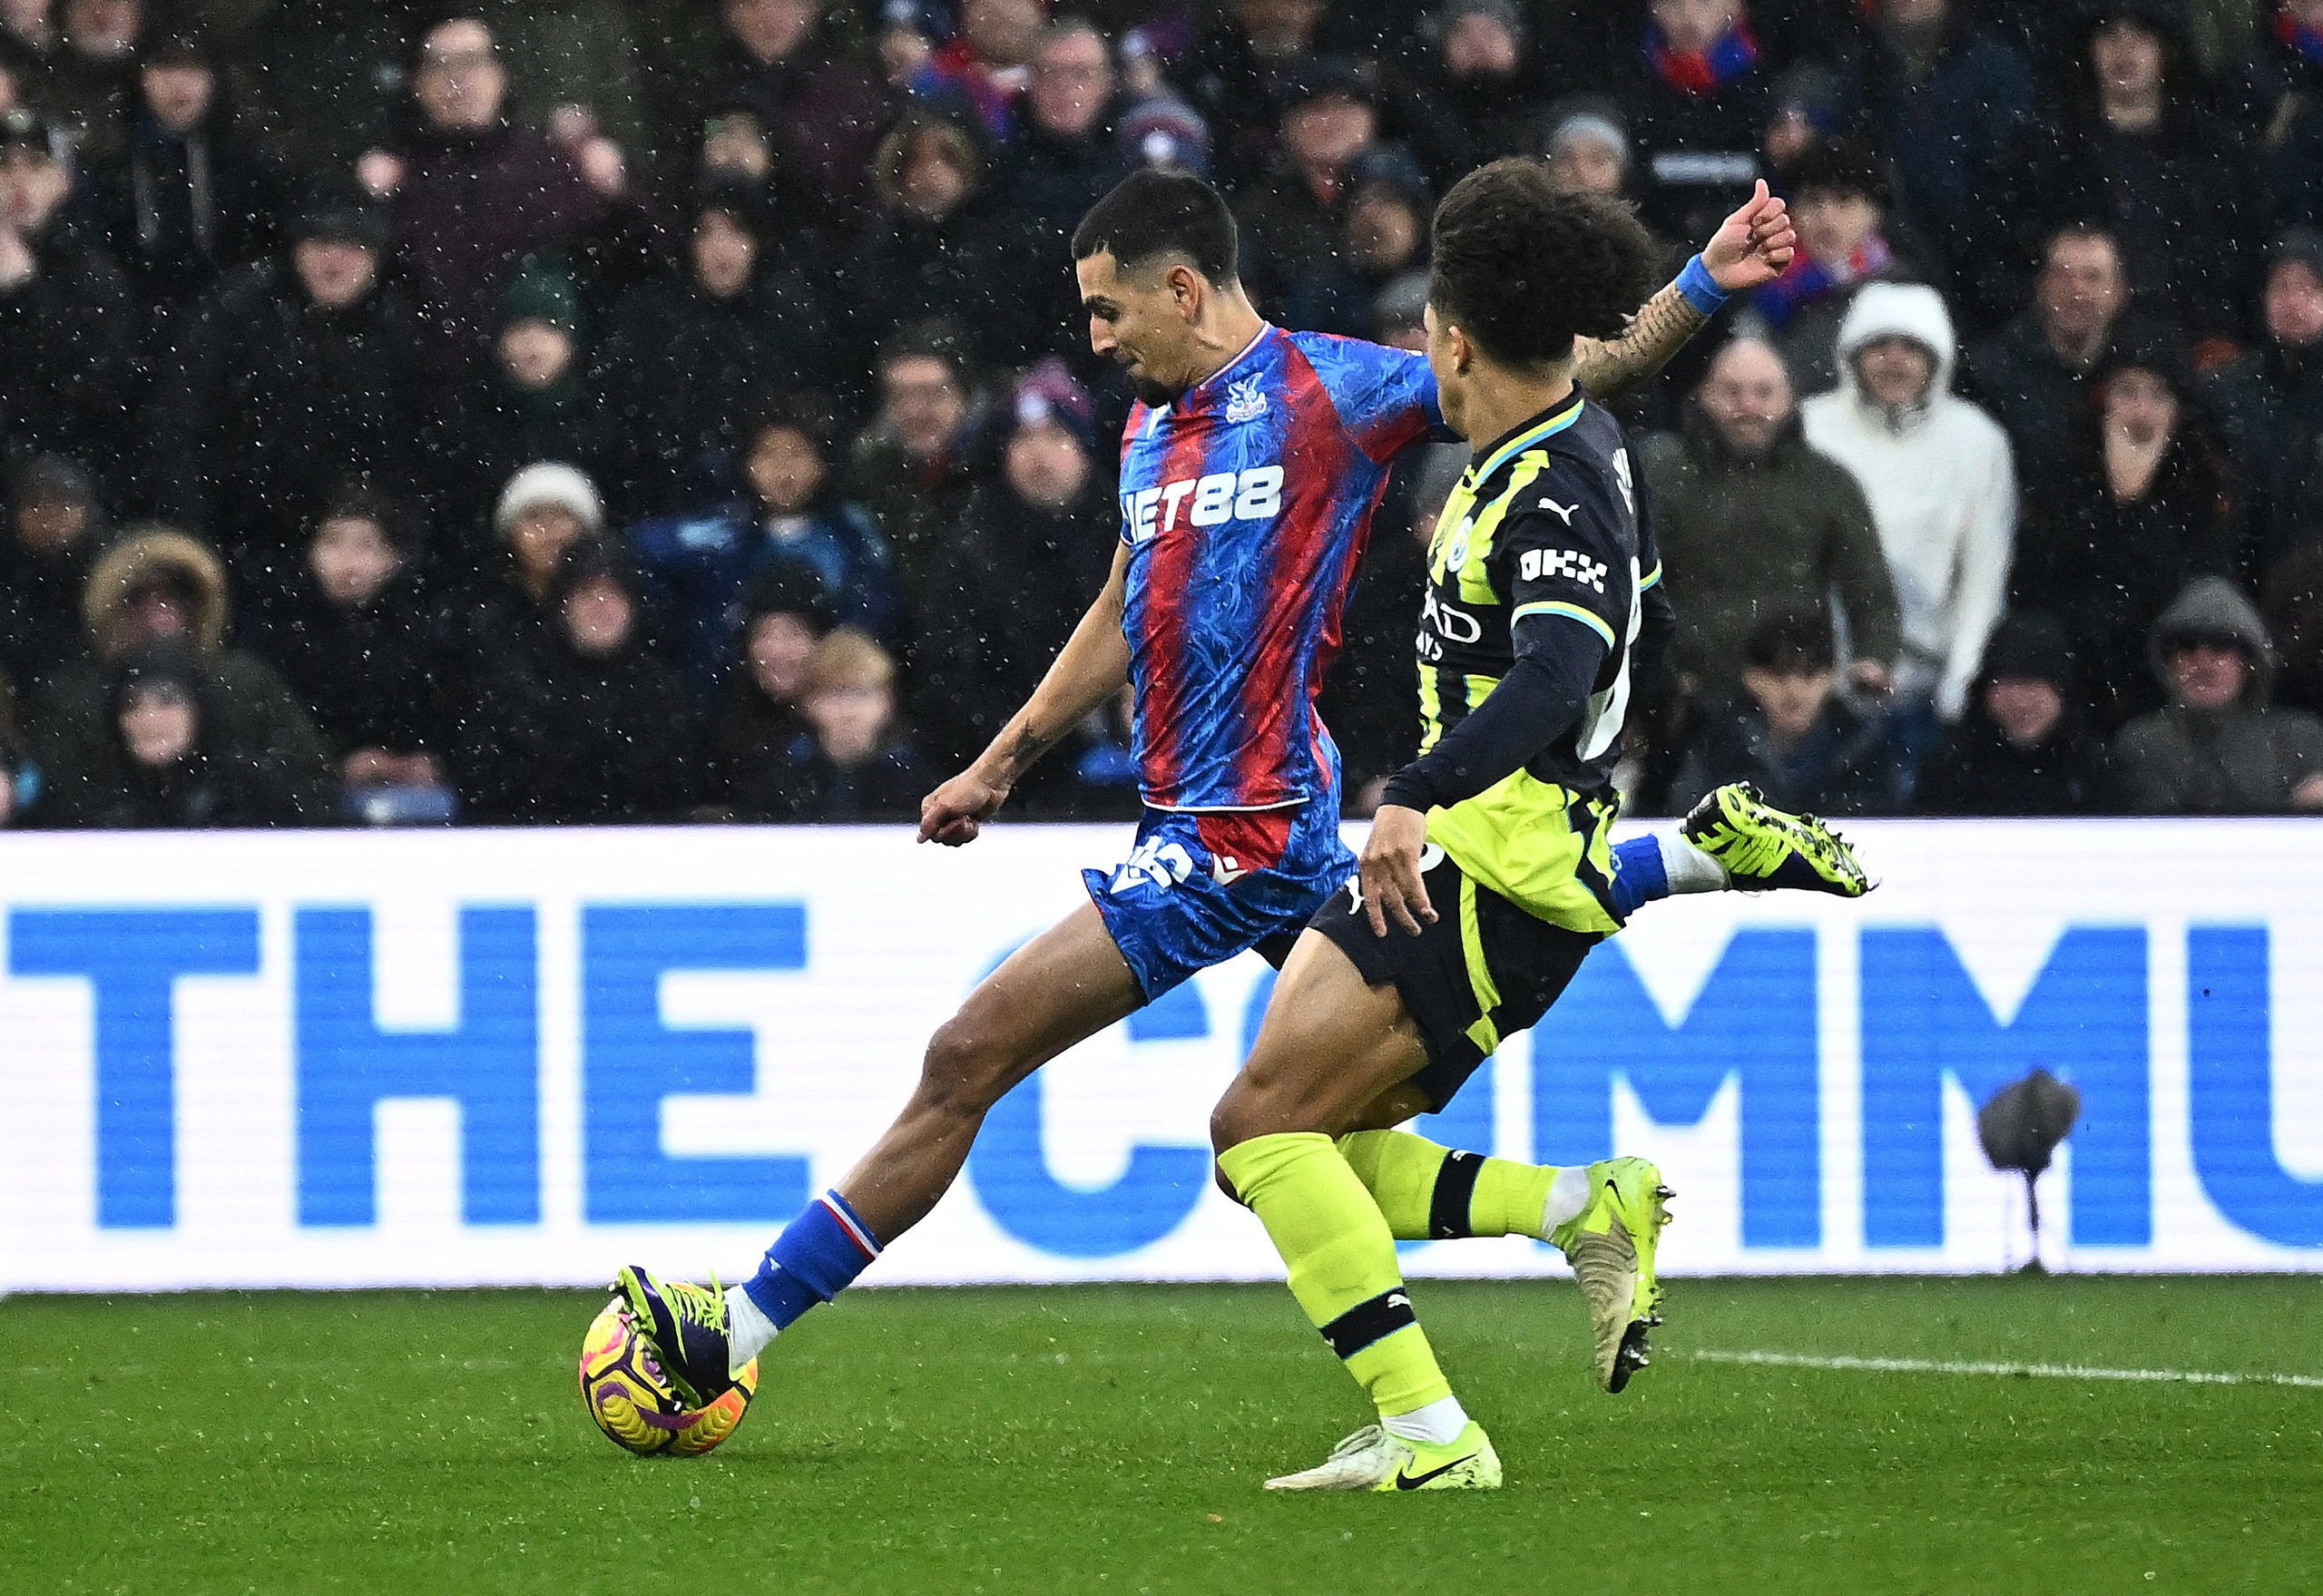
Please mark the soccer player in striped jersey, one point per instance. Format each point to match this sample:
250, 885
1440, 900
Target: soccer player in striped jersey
1487, 879
1250, 467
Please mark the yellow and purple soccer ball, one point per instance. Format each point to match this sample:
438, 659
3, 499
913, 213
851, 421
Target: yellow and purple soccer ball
634, 1402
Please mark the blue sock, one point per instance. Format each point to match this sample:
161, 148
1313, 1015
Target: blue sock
1639, 875
816, 1258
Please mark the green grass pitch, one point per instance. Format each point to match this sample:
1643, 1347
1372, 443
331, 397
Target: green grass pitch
1112, 1439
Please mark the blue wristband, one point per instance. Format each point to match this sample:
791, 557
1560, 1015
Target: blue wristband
1701, 290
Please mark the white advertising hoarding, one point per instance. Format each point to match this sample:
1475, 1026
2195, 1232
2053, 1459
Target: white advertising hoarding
343, 1059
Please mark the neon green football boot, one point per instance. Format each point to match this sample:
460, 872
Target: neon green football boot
1762, 848
1373, 1460
686, 1326
1610, 1245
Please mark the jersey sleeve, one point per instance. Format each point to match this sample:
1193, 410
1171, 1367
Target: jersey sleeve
1385, 397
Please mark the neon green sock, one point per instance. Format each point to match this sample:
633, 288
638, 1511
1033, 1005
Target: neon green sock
1342, 1261
1428, 1193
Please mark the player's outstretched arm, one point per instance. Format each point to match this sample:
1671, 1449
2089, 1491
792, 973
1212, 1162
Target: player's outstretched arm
1090, 669
1748, 250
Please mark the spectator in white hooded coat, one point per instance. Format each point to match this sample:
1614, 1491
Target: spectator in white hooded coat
1940, 479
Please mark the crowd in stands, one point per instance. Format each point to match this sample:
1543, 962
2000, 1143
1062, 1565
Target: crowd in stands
597, 411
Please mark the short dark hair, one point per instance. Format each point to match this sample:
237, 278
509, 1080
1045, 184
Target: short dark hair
1524, 270
1154, 212
1836, 166
1791, 645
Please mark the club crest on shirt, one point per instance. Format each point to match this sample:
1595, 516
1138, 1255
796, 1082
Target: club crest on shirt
1244, 401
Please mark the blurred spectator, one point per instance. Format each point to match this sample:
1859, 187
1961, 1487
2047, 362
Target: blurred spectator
473, 194
1013, 575
156, 584
697, 568
911, 466
55, 526
823, 111
2177, 189
1937, 474
1292, 217
321, 82
2147, 504
1697, 92
2292, 602
943, 246
905, 40
1790, 732
988, 64
2217, 748
187, 199
298, 374
28, 45
1237, 75
2026, 745
783, 617
89, 83
1383, 236
170, 765
68, 326
687, 360
585, 727
2270, 402
545, 512
1063, 158
1158, 129
1590, 154
2277, 94
1756, 524
1474, 94
2034, 375
855, 766
364, 658
538, 400
1838, 201
1945, 97
1399, 313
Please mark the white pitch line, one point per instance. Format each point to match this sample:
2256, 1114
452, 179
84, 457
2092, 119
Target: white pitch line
2037, 1371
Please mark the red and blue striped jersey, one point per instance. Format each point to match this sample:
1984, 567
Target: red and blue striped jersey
1246, 504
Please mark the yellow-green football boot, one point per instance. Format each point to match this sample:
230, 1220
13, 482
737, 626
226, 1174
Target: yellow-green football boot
1762, 848
1373, 1460
686, 1326
1610, 1245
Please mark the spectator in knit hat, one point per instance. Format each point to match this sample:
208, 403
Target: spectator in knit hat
1012, 573
300, 372
156, 584
792, 514
589, 726
538, 399
55, 526
545, 512
366, 657
2147, 503
1384, 236
689, 360
1787, 731
1160, 130
68, 324
2027, 744
2218, 747
857, 765
2270, 402
1588, 152
170, 765
783, 616
187, 199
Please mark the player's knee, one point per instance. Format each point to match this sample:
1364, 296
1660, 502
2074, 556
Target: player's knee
963, 1071
1236, 1119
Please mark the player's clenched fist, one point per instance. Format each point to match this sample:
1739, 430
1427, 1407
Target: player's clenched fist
956, 812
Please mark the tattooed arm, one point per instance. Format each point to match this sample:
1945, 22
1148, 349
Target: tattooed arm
1091, 668
1749, 249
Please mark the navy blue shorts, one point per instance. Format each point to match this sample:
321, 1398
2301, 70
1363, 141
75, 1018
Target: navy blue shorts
1200, 887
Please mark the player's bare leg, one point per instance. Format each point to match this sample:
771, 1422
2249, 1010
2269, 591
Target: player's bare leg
1063, 986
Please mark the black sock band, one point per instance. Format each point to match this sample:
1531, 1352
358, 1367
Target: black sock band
1455, 1183
1370, 1321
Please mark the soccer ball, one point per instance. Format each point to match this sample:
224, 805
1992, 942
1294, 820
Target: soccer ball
634, 1403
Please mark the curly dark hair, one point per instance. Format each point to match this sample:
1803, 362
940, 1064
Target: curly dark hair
1523, 269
